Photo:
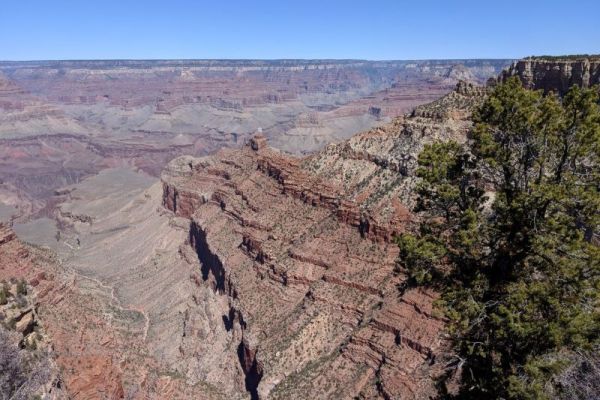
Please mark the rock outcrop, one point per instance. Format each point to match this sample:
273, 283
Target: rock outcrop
28, 367
312, 291
556, 73
303, 251
376, 168
15, 262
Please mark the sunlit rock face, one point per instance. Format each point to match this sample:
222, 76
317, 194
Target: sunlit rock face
303, 251
246, 273
556, 73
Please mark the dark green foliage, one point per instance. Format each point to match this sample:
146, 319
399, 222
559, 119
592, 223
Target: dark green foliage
22, 287
564, 57
4, 293
520, 271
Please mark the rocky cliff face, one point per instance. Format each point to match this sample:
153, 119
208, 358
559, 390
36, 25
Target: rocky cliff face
314, 299
556, 73
136, 327
302, 250
264, 275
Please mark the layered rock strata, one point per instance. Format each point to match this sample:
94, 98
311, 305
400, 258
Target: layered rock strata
556, 73
310, 284
62, 121
303, 250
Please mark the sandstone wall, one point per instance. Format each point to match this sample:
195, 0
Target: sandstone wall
556, 74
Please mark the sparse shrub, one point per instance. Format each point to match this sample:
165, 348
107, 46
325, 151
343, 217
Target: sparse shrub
22, 372
22, 287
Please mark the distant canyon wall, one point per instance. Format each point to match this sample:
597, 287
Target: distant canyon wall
556, 73
61, 121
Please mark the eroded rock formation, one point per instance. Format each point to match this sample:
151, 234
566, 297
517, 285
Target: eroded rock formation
556, 73
302, 249
316, 302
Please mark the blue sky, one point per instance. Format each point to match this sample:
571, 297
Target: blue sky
370, 29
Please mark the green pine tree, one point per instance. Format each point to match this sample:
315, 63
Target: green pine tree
509, 235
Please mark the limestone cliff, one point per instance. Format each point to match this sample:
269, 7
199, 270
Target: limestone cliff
556, 73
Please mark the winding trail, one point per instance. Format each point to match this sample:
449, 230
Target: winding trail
114, 300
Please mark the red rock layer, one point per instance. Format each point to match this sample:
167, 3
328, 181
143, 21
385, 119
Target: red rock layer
235, 84
310, 278
97, 358
15, 257
85, 375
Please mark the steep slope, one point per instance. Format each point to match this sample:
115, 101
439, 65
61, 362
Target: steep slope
376, 167
27, 365
316, 304
125, 317
61, 315
303, 251
133, 306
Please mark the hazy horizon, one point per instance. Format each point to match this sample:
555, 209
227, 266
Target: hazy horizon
269, 59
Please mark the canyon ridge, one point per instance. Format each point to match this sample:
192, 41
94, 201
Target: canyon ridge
226, 229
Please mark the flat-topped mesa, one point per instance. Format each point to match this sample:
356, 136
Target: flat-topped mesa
556, 73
